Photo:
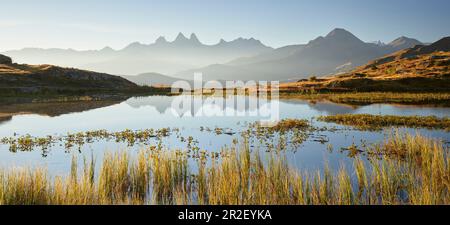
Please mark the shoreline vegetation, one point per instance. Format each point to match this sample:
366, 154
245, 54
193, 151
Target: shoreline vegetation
367, 98
296, 129
408, 170
292, 131
81, 95
376, 122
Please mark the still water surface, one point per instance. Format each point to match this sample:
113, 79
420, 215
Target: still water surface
155, 112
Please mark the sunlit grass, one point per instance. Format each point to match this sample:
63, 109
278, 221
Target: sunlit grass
408, 169
363, 98
367, 121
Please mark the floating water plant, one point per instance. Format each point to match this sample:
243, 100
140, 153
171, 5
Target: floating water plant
375, 122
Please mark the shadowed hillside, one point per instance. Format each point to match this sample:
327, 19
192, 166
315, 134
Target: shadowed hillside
43, 79
52, 109
154, 79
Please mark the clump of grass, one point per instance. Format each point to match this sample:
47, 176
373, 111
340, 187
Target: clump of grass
292, 132
365, 98
171, 178
29, 143
243, 177
374, 122
290, 124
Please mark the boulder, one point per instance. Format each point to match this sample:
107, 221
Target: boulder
5, 59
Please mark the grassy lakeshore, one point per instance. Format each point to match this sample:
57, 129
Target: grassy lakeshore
365, 98
372, 122
241, 176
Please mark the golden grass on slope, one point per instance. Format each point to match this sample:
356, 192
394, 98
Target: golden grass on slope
367, 121
396, 66
396, 72
243, 177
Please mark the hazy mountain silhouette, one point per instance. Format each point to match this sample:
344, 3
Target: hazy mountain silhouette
404, 43
441, 45
276, 54
161, 56
153, 79
422, 68
339, 51
160, 103
240, 59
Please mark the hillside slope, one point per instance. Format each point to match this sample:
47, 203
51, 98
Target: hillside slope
22, 78
153, 79
338, 51
421, 68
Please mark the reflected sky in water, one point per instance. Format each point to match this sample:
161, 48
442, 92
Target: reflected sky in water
156, 112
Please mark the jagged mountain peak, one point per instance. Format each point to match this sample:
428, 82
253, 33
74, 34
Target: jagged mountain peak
245, 40
337, 37
339, 32
342, 35
160, 40
404, 42
242, 42
181, 38
222, 41
194, 38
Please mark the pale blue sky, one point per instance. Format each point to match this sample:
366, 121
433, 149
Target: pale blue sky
93, 24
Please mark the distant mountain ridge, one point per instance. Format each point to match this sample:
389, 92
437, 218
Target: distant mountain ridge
420, 68
338, 51
241, 59
44, 79
404, 43
161, 56
153, 79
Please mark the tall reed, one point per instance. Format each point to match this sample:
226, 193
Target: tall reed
407, 169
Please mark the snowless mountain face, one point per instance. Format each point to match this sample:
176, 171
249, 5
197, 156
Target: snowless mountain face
240, 59
404, 43
338, 51
161, 56
154, 79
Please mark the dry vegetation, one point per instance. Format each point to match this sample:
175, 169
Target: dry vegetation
421, 176
401, 71
370, 122
363, 98
16, 69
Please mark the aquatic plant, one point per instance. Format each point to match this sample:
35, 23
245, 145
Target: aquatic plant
29, 143
375, 122
364, 98
243, 176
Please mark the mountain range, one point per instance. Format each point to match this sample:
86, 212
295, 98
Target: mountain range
241, 59
339, 51
161, 56
420, 68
